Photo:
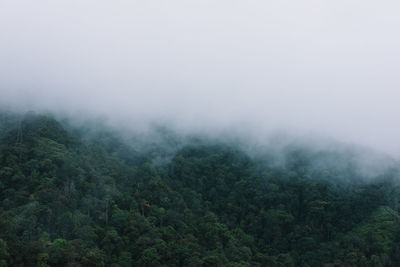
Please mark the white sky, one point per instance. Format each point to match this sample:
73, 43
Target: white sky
328, 67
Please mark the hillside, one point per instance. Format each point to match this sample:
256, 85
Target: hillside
71, 200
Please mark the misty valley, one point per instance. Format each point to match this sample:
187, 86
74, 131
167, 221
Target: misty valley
86, 195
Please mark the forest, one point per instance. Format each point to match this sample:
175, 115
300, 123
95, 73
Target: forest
71, 196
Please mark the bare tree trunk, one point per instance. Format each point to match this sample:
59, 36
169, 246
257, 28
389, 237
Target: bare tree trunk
107, 212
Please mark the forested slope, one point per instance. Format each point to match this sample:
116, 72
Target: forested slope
68, 200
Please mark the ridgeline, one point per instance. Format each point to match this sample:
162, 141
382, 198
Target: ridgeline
69, 200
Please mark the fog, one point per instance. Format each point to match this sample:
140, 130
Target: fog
325, 68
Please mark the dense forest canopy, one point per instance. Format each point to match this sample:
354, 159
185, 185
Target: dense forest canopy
69, 198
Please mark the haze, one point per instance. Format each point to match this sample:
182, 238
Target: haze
323, 67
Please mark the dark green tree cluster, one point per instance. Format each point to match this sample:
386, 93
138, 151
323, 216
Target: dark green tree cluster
67, 200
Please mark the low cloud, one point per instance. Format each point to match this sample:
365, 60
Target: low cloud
325, 68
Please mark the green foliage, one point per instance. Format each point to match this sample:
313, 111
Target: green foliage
66, 200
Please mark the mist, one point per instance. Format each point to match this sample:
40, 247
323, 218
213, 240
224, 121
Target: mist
314, 68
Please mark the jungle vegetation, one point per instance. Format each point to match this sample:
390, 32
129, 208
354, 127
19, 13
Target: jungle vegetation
67, 199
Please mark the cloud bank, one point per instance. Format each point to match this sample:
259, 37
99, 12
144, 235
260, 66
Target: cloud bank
325, 67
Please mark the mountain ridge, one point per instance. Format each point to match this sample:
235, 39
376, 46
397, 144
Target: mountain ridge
67, 200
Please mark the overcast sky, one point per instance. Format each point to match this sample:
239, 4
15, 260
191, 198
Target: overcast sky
329, 67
